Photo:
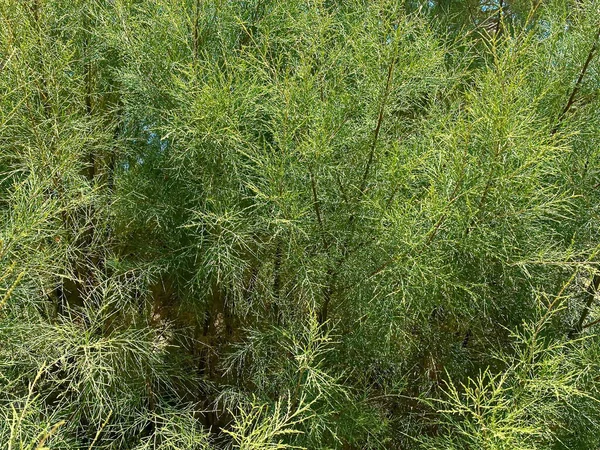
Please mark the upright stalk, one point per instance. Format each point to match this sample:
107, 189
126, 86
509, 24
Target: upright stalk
578, 83
386, 93
591, 295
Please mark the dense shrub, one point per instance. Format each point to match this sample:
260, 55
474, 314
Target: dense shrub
299, 224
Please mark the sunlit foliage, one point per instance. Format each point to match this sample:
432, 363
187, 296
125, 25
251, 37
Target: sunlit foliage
299, 224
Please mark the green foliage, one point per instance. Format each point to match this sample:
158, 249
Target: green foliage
528, 404
304, 224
